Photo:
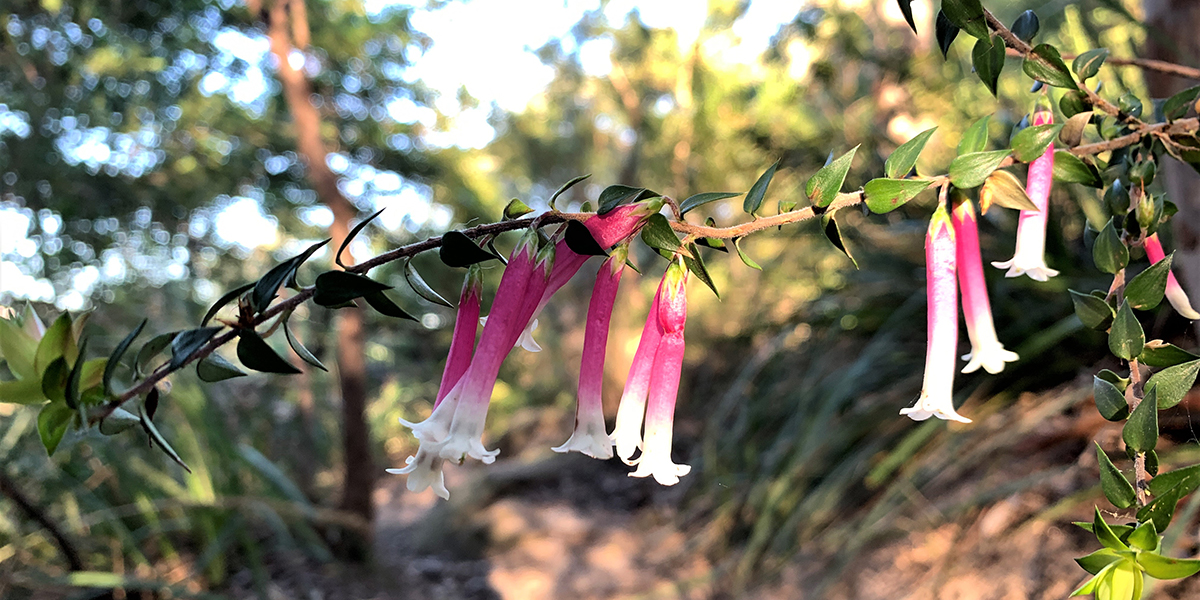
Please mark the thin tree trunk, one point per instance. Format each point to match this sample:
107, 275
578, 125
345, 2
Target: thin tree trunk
359, 478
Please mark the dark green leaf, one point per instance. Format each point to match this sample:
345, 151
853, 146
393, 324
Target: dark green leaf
975, 138
299, 260
1110, 402
267, 285
223, 300
1158, 354
54, 343
580, 240
1093, 312
516, 209
1116, 198
1068, 168
1096, 561
1145, 291
1026, 26
1121, 531
152, 431
758, 191
115, 358
1116, 487
54, 380
1145, 537
255, 353
617, 195
1086, 65
698, 200
1004, 189
1105, 534
1188, 477
1172, 383
967, 15
52, 423
1032, 142
742, 255
988, 58
380, 302
1113, 378
945, 32
657, 234
337, 258
1046, 65
186, 343
299, 348
905, 157
338, 287
1073, 103
1162, 567
117, 421
568, 185
1109, 252
1126, 338
971, 170
830, 227
1177, 106
695, 264
886, 195
1141, 430
459, 251
417, 283
1162, 509
151, 349
151, 403
1130, 104
906, 8
823, 187
214, 367
74, 390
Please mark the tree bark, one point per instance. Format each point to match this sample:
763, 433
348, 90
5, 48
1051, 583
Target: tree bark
1173, 38
359, 480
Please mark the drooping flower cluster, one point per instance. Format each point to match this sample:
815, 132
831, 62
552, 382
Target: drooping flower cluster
1030, 256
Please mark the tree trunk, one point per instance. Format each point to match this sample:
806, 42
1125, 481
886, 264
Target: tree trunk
1173, 38
359, 478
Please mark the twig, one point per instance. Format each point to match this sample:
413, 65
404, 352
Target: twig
1147, 64
9, 488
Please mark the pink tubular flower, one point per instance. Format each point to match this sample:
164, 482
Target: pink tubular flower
1029, 258
627, 433
937, 393
462, 343
664, 382
986, 349
1175, 294
590, 436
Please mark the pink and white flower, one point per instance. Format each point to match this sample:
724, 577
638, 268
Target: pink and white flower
1030, 256
937, 392
627, 433
462, 342
1175, 294
986, 349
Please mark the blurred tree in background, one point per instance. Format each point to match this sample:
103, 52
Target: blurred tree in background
135, 135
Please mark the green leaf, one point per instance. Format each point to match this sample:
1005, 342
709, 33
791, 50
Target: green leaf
1030, 143
417, 283
906, 8
1068, 168
657, 234
695, 264
114, 359
1188, 477
579, 239
832, 233
886, 195
1162, 567
975, 138
1116, 487
1072, 132
18, 348
742, 255
1141, 430
1089, 586
54, 343
1109, 253
988, 58
214, 367
1004, 189
299, 348
186, 343
698, 200
1162, 509
1158, 354
1172, 383
1177, 106
386, 307
823, 187
1096, 561
758, 191
52, 423
1046, 65
151, 349
971, 170
299, 260
1145, 291
1088, 64
566, 186
1073, 103
1026, 26
904, 158
1145, 537
54, 380
459, 251
1109, 400
22, 391
617, 195
967, 15
118, 421
337, 258
267, 285
1120, 530
945, 32
1105, 534
1093, 312
339, 287
223, 300
255, 353
152, 431
1126, 338
74, 389
515, 209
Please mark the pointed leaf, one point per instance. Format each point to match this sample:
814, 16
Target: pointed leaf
580, 240
1096, 561
1072, 132
1086, 65
823, 187
1093, 312
54, 343
1004, 189
1109, 253
886, 195
421, 288
152, 431
1145, 537
223, 300
945, 32
337, 258
338, 287
988, 58
1158, 354
1026, 26
115, 358
380, 302
1172, 383
698, 200
214, 368
186, 343
1088, 587
657, 234
830, 227
299, 260
1126, 338
975, 138
1116, 487
1030, 143
1162, 567
1187, 477
1177, 106
118, 421
906, 8
1068, 168
1162, 509
1105, 534
695, 264
151, 403
758, 191
516, 209
1046, 65
459, 251
299, 348
74, 389
1109, 400
904, 158
151, 349
971, 170
566, 186
255, 353
54, 380
267, 285
52, 423
617, 195
1141, 430
23, 391
967, 15
1145, 291
742, 255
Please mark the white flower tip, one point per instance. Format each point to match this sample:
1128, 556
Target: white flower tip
992, 358
424, 471
593, 445
626, 444
1179, 301
1036, 272
664, 472
526, 340
927, 406
457, 448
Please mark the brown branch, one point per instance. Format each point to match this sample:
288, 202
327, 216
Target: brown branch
1147, 64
